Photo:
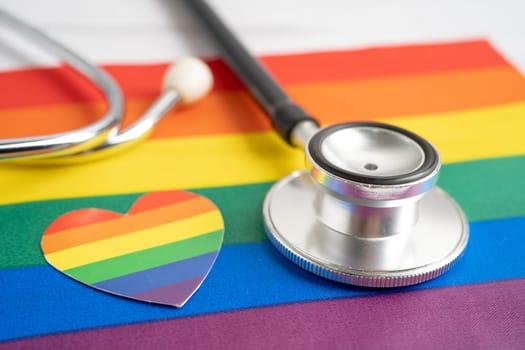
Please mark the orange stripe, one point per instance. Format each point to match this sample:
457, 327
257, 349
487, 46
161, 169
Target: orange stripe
415, 95
235, 112
60, 85
125, 224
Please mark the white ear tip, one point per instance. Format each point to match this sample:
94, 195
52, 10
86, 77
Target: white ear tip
191, 77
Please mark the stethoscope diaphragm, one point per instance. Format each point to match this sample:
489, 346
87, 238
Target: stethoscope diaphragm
366, 212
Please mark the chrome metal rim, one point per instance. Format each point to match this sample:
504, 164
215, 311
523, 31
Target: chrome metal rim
438, 238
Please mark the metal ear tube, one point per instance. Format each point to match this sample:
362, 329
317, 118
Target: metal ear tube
365, 210
185, 82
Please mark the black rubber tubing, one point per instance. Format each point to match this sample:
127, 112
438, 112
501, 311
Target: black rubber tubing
282, 111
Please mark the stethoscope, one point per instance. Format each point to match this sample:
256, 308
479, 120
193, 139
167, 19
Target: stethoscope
365, 211
184, 82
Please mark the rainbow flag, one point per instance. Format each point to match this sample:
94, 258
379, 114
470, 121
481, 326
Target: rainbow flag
464, 97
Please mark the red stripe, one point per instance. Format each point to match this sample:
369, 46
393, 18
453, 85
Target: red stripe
88, 217
45, 86
154, 200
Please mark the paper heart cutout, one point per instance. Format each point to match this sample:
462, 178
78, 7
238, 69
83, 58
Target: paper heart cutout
159, 252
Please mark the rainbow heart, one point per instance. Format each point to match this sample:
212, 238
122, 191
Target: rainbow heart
159, 252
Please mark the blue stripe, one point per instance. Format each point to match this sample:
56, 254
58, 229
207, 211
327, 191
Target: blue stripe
161, 276
40, 300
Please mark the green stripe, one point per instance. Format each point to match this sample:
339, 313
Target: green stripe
21, 233
147, 259
486, 189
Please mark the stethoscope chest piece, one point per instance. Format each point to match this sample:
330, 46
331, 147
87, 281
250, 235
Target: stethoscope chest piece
366, 211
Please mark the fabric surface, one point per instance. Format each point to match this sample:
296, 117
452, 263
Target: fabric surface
463, 96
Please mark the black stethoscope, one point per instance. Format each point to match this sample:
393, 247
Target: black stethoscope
365, 210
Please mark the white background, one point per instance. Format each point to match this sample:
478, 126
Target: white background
124, 31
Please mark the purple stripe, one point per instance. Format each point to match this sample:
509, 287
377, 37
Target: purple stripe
157, 277
488, 315
176, 294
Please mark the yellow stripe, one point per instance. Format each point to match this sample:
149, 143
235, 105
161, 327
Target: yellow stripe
136, 241
472, 134
222, 160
